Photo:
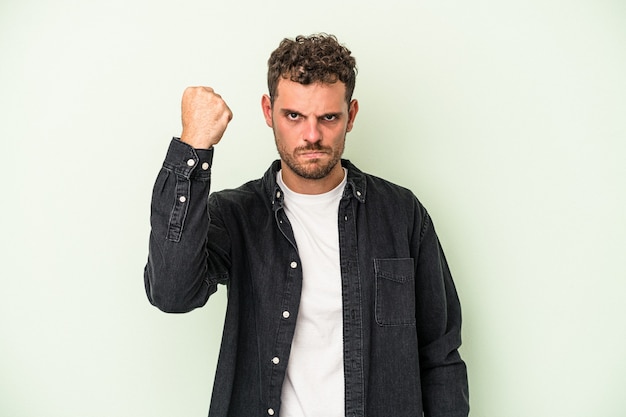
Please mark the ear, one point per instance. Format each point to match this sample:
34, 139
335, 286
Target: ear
352, 111
266, 106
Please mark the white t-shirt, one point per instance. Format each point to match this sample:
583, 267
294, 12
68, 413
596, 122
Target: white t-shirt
314, 383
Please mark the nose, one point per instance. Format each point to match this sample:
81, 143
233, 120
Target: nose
312, 132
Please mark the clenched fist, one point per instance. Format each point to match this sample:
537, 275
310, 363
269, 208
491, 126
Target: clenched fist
205, 117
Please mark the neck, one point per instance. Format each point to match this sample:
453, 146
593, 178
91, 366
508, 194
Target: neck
302, 185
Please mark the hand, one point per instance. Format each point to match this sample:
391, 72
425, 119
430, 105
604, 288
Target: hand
205, 117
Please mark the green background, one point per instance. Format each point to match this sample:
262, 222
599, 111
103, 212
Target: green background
506, 118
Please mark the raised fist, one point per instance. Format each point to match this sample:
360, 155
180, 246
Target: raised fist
205, 116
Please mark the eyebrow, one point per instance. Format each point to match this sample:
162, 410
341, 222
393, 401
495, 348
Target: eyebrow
289, 111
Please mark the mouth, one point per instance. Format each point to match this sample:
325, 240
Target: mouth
312, 154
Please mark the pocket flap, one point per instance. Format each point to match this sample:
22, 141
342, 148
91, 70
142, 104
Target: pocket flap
395, 269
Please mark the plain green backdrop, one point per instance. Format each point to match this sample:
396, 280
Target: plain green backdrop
506, 118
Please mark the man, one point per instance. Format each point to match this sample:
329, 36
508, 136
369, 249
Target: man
340, 301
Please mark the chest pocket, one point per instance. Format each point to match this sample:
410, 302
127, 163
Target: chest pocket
395, 291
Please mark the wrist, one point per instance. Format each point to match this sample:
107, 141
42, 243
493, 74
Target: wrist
196, 141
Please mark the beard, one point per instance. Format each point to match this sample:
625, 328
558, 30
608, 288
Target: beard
311, 169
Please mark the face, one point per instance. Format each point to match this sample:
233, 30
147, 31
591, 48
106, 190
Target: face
310, 123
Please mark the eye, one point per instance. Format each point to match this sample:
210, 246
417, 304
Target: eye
329, 117
292, 116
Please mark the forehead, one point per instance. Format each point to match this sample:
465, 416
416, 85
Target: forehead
316, 95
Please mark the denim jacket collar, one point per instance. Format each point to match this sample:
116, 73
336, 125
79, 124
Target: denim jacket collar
355, 183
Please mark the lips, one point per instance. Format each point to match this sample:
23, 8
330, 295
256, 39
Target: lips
312, 154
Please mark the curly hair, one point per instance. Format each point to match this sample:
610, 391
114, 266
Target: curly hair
311, 59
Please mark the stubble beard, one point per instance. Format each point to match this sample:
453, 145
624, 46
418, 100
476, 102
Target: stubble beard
311, 169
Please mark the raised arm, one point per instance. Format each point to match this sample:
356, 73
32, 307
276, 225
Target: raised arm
180, 274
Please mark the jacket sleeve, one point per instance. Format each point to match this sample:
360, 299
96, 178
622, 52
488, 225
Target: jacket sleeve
443, 372
181, 274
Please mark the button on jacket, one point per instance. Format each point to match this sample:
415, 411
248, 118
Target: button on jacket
401, 313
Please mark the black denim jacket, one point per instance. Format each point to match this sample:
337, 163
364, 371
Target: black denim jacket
401, 313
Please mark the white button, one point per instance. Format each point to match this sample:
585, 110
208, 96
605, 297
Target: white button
182, 199
275, 360
205, 166
277, 194
286, 314
270, 411
191, 162
358, 193
294, 264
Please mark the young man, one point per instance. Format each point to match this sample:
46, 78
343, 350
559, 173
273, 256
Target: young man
340, 301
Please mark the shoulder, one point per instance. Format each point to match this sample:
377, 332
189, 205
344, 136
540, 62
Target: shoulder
380, 188
387, 188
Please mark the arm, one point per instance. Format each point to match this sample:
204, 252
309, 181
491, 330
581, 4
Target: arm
180, 274
443, 372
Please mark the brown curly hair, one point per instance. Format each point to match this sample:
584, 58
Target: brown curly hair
311, 59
